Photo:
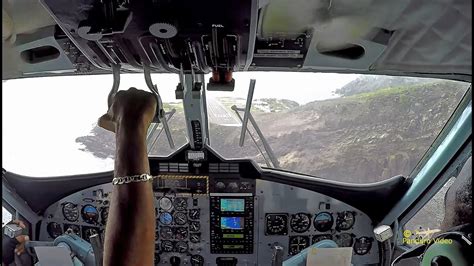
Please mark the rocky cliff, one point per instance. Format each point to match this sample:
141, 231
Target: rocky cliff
365, 136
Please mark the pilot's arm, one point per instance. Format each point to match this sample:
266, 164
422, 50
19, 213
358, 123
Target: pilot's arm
130, 229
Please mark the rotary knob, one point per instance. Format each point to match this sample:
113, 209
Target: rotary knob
220, 186
233, 187
163, 30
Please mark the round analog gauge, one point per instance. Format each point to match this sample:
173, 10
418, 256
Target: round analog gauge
72, 228
194, 214
276, 224
323, 221
167, 246
54, 229
165, 203
180, 218
180, 204
104, 213
181, 246
195, 237
318, 238
300, 222
181, 233
197, 260
87, 232
194, 226
166, 218
363, 245
90, 214
70, 211
344, 240
166, 232
297, 244
345, 220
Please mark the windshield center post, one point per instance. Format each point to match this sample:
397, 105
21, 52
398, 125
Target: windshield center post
195, 112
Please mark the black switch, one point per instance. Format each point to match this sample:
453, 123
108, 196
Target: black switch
175, 261
195, 202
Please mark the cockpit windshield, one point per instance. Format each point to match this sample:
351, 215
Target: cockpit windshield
345, 127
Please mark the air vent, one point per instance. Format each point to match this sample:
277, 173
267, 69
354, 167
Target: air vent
40, 54
223, 168
352, 52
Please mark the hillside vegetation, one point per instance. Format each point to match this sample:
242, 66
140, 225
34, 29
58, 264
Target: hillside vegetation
374, 131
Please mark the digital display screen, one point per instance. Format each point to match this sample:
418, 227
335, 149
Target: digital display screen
232, 235
235, 223
233, 246
232, 205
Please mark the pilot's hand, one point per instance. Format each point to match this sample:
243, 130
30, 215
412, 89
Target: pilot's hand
130, 109
12, 247
22, 239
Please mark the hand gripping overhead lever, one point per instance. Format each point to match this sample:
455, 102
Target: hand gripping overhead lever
160, 113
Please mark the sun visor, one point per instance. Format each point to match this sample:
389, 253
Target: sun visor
434, 40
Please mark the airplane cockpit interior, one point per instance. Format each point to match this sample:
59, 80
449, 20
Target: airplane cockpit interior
304, 132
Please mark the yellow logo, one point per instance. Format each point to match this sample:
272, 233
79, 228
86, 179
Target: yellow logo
407, 233
423, 237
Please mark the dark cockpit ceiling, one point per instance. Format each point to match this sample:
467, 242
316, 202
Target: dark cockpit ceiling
417, 38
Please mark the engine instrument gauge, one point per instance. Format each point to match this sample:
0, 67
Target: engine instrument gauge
87, 232
90, 214
167, 246
363, 245
180, 218
72, 227
300, 222
54, 229
180, 204
344, 240
181, 233
195, 237
345, 220
70, 211
197, 260
323, 221
181, 246
194, 226
297, 244
318, 238
104, 213
276, 224
166, 232
194, 214
166, 218
165, 203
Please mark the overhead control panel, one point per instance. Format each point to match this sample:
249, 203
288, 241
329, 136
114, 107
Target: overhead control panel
218, 37
200, 36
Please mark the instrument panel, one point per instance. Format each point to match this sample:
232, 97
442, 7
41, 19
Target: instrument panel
225, 219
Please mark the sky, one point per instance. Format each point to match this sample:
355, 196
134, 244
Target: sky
42, 117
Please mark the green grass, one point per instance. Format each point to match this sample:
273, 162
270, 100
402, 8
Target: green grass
390, 91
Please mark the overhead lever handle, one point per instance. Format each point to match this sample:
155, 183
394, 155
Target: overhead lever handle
115, 85
160, 113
